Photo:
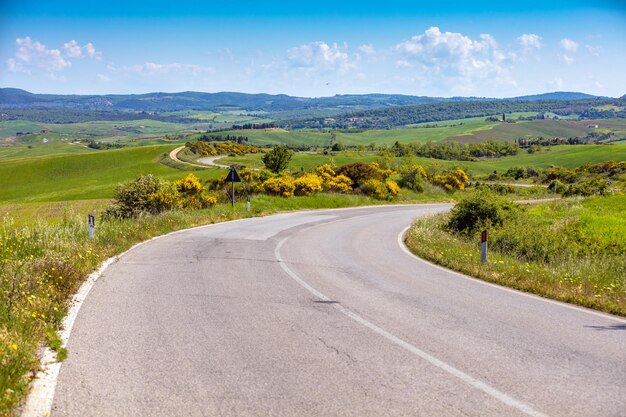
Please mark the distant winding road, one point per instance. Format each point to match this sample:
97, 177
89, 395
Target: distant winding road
324, 313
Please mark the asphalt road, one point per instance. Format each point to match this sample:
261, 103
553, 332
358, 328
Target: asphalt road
324, 314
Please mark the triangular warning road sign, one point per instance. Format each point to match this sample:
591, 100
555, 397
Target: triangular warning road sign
233, 176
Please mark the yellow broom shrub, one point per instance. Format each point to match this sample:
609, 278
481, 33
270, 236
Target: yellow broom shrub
307, 184
282, 186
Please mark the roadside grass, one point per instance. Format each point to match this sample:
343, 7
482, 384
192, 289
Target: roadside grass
571, 250
50, 212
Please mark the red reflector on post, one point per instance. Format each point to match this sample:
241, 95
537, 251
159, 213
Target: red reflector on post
483, 236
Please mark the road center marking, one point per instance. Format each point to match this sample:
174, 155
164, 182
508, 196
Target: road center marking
476, 383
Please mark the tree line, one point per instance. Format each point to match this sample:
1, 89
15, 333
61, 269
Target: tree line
436, 112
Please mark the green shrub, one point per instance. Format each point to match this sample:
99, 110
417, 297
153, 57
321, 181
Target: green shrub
501, 189
478, 210
596, 186
277, 160
147, 194
412, 176
360, 172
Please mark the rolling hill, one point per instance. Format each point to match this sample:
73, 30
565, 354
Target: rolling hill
192, 100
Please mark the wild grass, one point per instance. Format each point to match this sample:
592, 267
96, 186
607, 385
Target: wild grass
571, 250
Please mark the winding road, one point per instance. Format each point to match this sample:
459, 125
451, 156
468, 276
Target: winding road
324, 313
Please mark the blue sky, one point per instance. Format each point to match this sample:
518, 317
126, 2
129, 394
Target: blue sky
322, 48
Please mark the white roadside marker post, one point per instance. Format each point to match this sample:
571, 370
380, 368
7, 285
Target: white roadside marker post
483, 246
92, 225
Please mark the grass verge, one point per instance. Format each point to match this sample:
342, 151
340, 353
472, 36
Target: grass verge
571, 251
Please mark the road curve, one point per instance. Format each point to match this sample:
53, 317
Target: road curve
174, 156
210, 160
324, 314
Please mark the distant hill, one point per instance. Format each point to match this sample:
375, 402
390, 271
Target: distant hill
192, 100
557, 95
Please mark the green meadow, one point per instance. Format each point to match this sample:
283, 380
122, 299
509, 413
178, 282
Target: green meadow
92, 175
567, 156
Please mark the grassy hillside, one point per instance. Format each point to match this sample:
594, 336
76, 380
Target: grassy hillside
82, 177
545, 128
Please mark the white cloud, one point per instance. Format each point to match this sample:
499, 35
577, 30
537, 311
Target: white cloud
367, 49
529, 42
321, 56
152, 68
103, 78
592, 50
74, 50
555, 84
31, 54
403, 63
566, 59
568, 45
456, 60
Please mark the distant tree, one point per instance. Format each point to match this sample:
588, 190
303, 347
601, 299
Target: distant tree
277, 159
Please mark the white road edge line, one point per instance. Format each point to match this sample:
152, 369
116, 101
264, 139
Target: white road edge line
487, 389
502, 288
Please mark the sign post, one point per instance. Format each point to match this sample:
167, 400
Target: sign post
483, 246
233, 177
92, 225
248, 204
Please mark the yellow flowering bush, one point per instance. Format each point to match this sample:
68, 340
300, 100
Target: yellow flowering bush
454, 180
340, 184
189, 184
333, 182
374, 188
251, 179
194, 195
392, 188
307, 184
281, 186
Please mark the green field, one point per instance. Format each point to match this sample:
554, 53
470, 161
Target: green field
568, 156
544, 128
82, 177
475, 129
366, 137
